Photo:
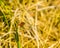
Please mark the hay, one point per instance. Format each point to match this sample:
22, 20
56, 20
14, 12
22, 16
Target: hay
29, 23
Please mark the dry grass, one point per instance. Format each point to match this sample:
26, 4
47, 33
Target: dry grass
29, 23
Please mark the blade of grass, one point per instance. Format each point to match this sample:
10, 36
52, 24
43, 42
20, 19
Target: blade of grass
1, 2
4, 18
17, 37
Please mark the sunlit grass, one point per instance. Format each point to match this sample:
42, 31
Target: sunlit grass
29, 23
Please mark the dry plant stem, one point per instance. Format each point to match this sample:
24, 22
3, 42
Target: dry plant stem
49, 7
56, 43
30, 23
12, 22
38, 3
52, 45
50, 27
28, 41
36, 34
25, 35
41, 23
4, 16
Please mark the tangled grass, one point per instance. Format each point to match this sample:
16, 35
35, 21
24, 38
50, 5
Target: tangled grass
29, 23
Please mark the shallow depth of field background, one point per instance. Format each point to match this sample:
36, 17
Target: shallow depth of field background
29, 23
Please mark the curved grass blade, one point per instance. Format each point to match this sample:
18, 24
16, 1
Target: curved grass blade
4, 18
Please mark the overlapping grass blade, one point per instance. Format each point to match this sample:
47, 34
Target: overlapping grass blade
4, 18
17, 36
